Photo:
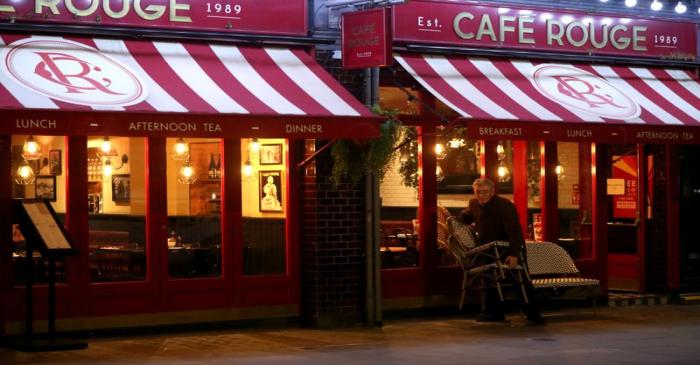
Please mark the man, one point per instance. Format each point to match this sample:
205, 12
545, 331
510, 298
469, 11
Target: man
496, 219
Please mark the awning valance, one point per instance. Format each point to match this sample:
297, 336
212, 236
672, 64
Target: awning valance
521, 99
168, 86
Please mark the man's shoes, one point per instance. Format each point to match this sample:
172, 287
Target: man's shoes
490, 318
536, 321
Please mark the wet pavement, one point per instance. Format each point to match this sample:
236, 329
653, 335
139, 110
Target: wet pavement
658, 334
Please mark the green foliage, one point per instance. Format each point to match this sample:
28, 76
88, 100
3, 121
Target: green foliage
408, 151
353, 160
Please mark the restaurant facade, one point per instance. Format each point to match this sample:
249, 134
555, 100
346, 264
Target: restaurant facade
174, 140
587, 121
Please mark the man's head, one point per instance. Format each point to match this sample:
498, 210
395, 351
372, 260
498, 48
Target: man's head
484, 189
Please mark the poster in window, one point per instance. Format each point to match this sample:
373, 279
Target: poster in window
625, 205
45, 187
271, 154
270, 191
121, 188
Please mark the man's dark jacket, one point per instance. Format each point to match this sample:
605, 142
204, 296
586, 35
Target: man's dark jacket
497, 220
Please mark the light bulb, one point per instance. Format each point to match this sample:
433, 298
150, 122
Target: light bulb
656, 5
255, 145
106, 146
31, 150
247, 168
439, 149
181, 147
630, 3
187, 171
25, 171
680, 8
502, 171
107, 169
500, 150
32, 146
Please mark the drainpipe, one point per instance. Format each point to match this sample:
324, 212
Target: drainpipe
373, 298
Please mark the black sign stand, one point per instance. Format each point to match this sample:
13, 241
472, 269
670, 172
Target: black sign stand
33, 216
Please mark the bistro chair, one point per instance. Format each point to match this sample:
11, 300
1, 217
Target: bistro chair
482, 265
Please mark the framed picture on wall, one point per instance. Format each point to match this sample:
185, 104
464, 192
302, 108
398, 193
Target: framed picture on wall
270, 191
45, 187
271, 154
121, 188
55, 162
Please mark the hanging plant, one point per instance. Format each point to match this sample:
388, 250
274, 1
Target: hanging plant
408, 151
352, 160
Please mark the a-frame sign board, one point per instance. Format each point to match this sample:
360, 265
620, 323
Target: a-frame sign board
42, 231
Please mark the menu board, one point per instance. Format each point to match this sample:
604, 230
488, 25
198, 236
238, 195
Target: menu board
46, 225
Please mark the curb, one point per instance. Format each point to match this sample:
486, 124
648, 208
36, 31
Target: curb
637, 300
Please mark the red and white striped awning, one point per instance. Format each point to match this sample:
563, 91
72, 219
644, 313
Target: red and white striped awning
128, 81
503, 99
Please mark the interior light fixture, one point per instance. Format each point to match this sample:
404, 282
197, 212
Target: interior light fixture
181, 150
247, 168
500, 151
440, 151
31, 150
630, 3
25, 174
559, 171
255, 145
107, 168
680, 8
456, 143
503, 172
439, 174
107, 148
656, 5
186, 175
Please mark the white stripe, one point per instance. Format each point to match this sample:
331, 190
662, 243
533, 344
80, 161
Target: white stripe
194, 76
526, 68
429, 87
466, 89
686, 81
157, 97
496, 76
663, 90
309, 82
628, 89
238, 66
25, 96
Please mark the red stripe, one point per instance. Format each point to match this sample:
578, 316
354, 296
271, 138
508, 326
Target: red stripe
492, 91
523, 83
273, 74
7, 100
332, 83
675, 86
653, 95
421, 67
215, 69
11, 38
153, 63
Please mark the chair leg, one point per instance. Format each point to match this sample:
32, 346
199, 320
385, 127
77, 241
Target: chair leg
464, 290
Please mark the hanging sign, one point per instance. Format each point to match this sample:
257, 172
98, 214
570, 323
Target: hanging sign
489, 26
366, 38
287, 17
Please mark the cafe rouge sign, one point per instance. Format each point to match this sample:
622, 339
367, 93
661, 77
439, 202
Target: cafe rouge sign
286, 17
459, 24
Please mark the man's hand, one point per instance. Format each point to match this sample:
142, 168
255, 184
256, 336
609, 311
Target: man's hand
512, 261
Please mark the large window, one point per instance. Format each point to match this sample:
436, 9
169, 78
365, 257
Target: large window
38, 172
574, 198
264, 205
400, 244
194, 176
116, 189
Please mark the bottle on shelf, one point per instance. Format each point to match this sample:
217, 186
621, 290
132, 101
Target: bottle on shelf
218, 168
212, 167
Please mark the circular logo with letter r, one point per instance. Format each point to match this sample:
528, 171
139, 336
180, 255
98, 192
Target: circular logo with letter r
72, 72
582, 91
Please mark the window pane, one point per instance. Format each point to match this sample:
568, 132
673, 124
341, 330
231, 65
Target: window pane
624, 211
37, 172
264, 198
117, 208
400, 245
534, 204
194, 207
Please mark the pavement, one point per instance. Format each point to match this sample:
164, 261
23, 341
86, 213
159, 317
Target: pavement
653, 334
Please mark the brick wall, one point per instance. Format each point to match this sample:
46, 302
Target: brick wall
332, 246
656, 229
